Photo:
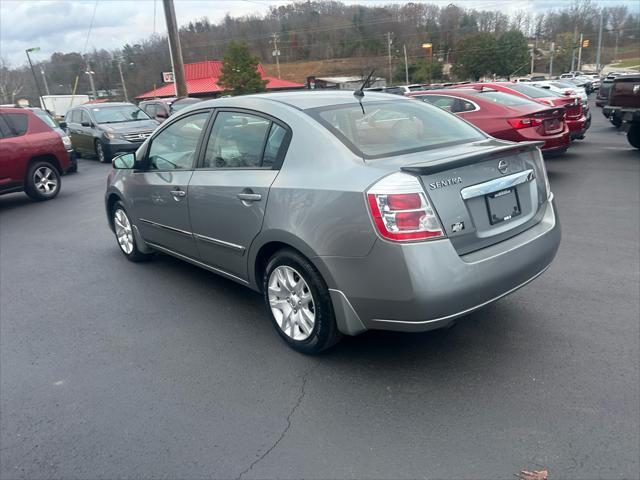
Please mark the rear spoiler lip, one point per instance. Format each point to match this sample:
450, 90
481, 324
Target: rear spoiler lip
469, 158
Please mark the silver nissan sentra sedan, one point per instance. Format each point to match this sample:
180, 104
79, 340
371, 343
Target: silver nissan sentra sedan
347, 212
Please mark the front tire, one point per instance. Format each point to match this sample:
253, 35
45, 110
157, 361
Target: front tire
43, 181
103, 154
299, 303
123, 229
633, 135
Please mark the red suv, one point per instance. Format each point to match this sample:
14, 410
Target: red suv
575, 115
32, 156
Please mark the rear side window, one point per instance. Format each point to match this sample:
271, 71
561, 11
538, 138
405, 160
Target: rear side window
394, 127
237, 141
15, 124
275, 143
448, 103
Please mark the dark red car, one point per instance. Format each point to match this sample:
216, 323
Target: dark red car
575, 115
32, 155
504, 116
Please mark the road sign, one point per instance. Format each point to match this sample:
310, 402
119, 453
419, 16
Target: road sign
167, 77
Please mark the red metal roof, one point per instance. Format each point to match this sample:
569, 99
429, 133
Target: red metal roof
202, 78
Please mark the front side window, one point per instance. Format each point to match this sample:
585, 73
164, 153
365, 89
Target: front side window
450, 104
392, 128
84, 117
119, 114
237, 140
150, 109
175, 146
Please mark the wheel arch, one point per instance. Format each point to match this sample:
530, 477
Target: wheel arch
47, 157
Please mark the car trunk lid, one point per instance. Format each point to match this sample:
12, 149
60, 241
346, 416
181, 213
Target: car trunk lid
486, 193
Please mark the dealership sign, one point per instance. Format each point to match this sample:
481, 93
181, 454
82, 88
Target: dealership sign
167, 77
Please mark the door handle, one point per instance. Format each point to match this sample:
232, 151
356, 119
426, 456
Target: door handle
250, 197
178, 193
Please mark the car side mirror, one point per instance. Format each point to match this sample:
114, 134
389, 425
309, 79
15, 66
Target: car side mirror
62, 125
124, 161
86, 124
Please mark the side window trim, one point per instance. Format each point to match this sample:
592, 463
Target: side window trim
281, 152
145, 160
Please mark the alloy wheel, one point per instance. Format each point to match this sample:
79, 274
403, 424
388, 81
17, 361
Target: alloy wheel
45, 180
124, 232
291, 303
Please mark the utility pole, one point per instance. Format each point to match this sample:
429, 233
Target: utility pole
406, 64
615, 50
175, 48
533, 55
580, 51
389, 42
91, 73
124, 87
276, 52
553, 51
598, 67
573, 48
44, 80
35, 79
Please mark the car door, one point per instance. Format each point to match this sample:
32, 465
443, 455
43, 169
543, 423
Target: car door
14, 149
85, 132
228, 191
159, 189
74, 129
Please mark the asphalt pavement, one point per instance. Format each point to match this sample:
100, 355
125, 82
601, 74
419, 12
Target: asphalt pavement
110, 369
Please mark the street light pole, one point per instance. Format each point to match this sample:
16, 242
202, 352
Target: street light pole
91, 82
35, 78
124, 87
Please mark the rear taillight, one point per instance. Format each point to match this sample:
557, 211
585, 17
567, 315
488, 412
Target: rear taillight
573, 111
519, 123
401, 210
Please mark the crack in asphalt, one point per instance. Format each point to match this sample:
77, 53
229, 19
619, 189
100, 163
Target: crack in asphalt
305, 378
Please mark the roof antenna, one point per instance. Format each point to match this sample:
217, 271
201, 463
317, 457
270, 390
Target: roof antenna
359, 94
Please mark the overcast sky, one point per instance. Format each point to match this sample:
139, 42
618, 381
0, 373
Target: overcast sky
62, 25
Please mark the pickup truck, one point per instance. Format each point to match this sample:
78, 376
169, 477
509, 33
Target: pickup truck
624, 106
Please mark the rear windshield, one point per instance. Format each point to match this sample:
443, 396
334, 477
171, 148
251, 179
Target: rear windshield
46, 118
533, 92
394, 128
505, 99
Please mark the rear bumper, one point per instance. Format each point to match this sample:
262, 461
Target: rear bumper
630, 115
423, 286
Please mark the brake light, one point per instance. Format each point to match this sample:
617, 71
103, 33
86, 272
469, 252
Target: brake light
519, 123
573, 111
401, 210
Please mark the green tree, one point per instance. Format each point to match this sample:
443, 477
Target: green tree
476, 55
513, 53
240, 71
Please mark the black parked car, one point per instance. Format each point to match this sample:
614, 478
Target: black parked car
107, 128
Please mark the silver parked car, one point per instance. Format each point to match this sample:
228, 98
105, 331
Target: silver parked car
348, 215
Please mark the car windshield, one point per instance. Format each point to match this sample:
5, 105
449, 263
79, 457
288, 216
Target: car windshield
533, 92
124, 113
502, 98
44, 116
393, 128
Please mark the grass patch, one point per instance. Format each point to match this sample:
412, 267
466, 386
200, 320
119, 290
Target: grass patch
629, 62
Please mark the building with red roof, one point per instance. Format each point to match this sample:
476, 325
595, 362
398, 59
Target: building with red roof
202, 81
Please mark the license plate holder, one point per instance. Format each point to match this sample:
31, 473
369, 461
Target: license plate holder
503, 205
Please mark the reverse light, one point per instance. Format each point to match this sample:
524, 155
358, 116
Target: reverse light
401, 210
519, 123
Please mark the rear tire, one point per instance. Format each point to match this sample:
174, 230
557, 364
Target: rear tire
103, 154
43, 181
299, 304
123, 229
633, 135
